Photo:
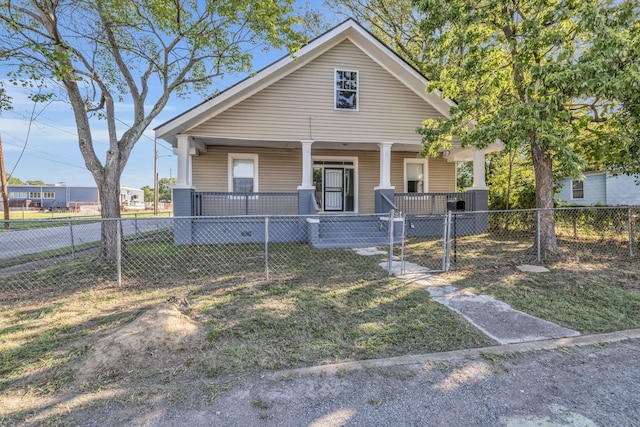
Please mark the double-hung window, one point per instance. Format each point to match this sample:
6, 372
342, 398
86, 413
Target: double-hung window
577, 189
346, 90
243, 173
415, 173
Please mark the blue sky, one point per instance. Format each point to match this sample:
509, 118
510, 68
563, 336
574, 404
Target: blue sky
46, 147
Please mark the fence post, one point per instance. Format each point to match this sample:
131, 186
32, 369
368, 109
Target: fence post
630, 228
136, 222
390, 251
266, 247
539, 257
119, 251
404, 230
73, 247
446, 244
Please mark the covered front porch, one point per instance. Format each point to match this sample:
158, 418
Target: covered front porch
331, 178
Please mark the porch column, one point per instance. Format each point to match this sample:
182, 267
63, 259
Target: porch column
479, 182
306, 190
183, 194
307, 173
385, 165
384, 191
184, 162
481, 196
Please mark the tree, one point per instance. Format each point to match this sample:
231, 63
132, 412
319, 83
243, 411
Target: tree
164, 188
36, 182
148, 193
395, 22
517, 71
104, 53
15, 181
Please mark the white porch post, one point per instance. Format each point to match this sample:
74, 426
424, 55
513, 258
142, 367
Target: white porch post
385, 166
184, 162
479, 181
307, 171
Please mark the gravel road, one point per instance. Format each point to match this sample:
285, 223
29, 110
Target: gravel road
594, 385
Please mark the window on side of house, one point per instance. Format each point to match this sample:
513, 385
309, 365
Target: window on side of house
243, 173
577, 189
34, 194
346, 90
17, 194
415, 173
49, 195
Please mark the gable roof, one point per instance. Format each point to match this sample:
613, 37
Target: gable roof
348, 30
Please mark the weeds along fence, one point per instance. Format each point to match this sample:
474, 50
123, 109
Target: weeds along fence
43, 257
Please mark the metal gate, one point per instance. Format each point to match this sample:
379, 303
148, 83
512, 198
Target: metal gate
427, 241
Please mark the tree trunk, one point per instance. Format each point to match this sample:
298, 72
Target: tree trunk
542, 166
109, 191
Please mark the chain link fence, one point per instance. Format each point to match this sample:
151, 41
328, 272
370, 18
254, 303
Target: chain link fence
44, 257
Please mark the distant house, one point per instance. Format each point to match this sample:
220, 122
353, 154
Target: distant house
63, 196
600, 188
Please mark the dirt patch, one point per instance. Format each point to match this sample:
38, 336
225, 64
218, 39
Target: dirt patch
158, 340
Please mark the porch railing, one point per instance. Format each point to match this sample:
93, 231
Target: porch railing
215, 204
431, 203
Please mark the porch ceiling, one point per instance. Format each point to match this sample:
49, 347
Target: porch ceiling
331, 145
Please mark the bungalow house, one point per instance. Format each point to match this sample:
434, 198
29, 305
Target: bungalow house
332, 130
600, 188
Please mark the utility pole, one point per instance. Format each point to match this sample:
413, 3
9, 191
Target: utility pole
155, 176
5, 190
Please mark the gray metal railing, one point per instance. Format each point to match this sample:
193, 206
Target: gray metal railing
389, 203
431, 203
215, 203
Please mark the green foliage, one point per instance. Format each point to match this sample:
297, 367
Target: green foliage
148, 193
5, 100
396, 23
529, 74
464, 176
164, 188
36, 182
511, 181
15, 181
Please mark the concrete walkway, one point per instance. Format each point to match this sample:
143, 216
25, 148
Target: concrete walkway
494, 318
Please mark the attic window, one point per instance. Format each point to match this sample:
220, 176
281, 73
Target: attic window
346, 92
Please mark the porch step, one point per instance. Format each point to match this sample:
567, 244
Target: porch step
349, 242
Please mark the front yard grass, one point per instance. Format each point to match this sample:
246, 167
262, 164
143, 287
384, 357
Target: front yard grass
591, 297
318, 307
593, 285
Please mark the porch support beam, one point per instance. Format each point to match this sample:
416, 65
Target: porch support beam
479, 181
385, 167
184, 162
307, 170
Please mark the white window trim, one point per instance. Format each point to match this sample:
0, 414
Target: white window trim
242, 156
356, 184
425, 170
335, 90
571, 189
